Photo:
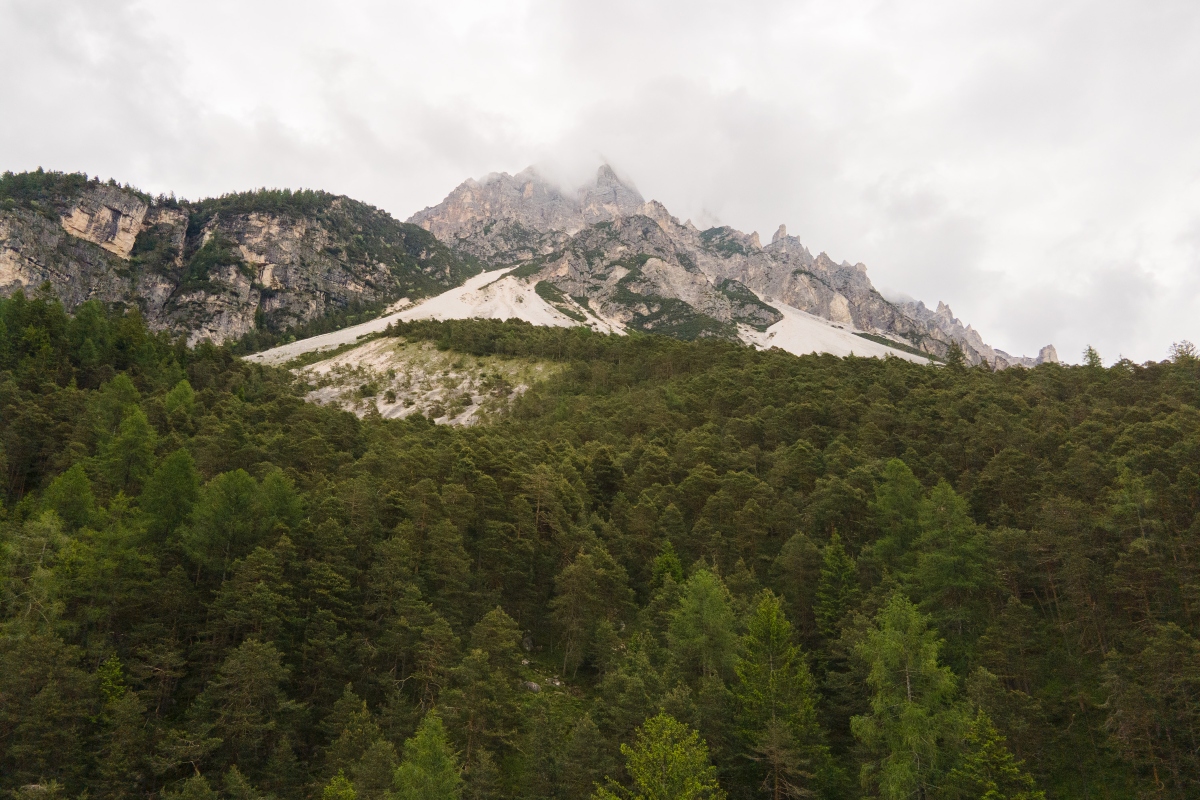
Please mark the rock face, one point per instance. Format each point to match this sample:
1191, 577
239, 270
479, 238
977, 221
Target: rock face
108, 217
274, 261
507, 219
632, 262
216, 269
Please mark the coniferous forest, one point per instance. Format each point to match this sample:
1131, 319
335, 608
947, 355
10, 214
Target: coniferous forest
672, 570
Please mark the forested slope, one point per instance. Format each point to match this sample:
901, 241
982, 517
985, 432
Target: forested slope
848, 575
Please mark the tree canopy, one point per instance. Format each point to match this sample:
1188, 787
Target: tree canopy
761, 574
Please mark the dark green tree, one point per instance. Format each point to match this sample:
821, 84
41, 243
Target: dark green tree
837, 587
988, 770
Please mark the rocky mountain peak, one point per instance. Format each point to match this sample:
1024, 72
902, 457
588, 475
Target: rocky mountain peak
530, 201
1047, 355
608, 197
718, 275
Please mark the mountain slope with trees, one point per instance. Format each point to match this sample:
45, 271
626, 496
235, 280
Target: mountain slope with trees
674, 569
255, 266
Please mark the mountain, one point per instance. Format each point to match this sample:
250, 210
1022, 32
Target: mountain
218, 269
273, 265
631, 263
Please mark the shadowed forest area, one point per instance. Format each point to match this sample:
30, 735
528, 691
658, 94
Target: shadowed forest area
779, 576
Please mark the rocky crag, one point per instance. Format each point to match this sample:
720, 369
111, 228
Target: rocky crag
630, 261
256, 265
216, 269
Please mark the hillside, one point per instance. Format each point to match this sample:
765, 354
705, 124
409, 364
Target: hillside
252, 266
835, 571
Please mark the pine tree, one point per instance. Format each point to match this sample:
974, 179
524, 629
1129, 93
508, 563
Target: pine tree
482, 703
127, 459
194, 788
951, 574
372, 775
170, 492
589, 591
896, 508
955, 358
237, 787
481, 777
988, 770
246, 696
70, 495
701, 634
356, 735
583, 758
224, 523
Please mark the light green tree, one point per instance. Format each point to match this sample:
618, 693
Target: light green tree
667, 761
430, 769
912, 716
339, 788
701, 634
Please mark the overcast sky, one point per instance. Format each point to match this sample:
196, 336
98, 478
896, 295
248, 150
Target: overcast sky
1034, 164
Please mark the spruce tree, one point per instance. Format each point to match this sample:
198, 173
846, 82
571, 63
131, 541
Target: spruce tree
837, 588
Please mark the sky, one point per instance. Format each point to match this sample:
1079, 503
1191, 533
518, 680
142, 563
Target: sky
1034, 165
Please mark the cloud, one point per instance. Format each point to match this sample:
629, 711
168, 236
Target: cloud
1032, 164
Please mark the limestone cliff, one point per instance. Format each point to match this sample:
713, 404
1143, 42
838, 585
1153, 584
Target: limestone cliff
507, 219
633, 262
214, 269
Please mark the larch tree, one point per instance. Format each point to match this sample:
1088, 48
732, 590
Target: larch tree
912, 716
776, 704
667, 761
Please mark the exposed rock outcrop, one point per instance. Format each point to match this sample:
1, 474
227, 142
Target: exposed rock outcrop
215, 269
637, 264
275, 260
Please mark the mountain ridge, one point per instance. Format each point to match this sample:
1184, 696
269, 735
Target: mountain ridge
220, 268
264, 266
725, 277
